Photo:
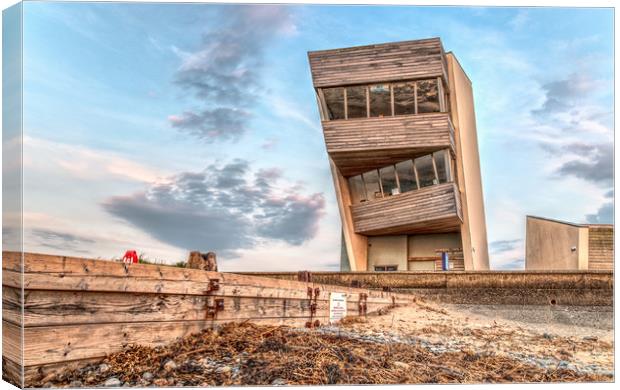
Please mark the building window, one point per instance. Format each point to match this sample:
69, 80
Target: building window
371, 181
426, 171
406, 176
380, 100
356, 102
389, 183
387, 99
386, 268
404, 99
442, 164
356, 187
334, 102
428, 96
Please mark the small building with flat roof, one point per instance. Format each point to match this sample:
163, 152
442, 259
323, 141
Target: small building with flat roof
557, 245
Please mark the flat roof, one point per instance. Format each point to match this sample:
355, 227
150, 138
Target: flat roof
571, 223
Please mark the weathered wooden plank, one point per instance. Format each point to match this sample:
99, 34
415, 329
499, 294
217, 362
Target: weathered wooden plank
383, 62
84, 274
12, 305
44, 308
12, 372
51, 344
139, 285
11, 341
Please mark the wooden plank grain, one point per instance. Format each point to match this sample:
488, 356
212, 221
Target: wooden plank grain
52, 344
45, 308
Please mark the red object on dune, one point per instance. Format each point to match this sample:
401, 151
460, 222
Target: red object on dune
130, 257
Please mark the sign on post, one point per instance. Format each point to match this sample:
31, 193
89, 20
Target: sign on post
337, 306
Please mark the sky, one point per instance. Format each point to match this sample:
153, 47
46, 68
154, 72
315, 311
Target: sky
172, 127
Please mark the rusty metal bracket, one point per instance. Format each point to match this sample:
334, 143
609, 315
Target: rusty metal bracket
214, 306
313, 295
214, 285
362, 304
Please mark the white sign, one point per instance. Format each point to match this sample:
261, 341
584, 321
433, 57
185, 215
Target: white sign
337, 306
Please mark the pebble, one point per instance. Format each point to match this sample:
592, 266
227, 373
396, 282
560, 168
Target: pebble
170, 365
223, 369
48, 384
75, 384
590, 338
547, 336
147, 376
104, 368
160, 382
112, 382
279, 382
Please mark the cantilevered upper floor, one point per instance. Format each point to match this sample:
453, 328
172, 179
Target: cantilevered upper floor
382, 103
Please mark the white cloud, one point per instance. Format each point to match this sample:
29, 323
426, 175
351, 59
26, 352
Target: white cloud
83, 162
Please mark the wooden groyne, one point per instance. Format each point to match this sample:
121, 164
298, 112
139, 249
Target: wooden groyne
59, 311
561, 288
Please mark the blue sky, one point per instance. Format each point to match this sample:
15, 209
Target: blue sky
169, 127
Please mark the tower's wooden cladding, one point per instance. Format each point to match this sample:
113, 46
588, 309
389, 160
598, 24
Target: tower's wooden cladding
435, 209
357, 145
378, 63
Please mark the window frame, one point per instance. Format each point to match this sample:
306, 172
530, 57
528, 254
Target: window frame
385, 268
442, 97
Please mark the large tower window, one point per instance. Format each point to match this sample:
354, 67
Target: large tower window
389, 184
426, 172
406, 176
404, 99
356, 187
428, 96
334, 102
373, 188
384, 100
442, 164
356, 102
380, 100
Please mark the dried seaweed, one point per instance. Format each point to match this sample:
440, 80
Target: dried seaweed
247, 354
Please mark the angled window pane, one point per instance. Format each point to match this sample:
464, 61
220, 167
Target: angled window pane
334, 100
406, 176
388, 181
404, 99
428, 97
380, 100
356, 102
426, 173
358, 192
371, 181
441, 163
